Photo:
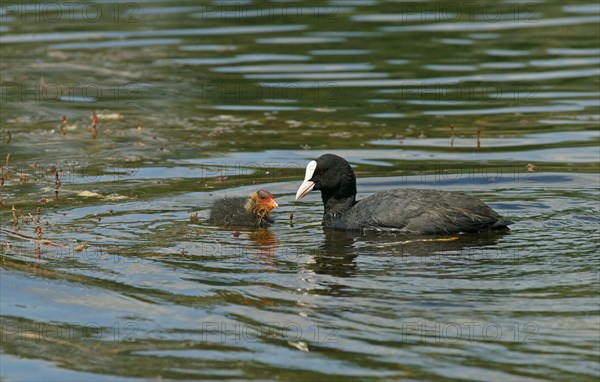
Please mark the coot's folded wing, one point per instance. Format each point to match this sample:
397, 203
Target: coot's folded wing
423, 211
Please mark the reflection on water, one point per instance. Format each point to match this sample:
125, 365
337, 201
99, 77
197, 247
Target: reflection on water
199, 100
337, 255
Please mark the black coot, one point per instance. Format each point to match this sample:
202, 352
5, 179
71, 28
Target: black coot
252, 211
404, 210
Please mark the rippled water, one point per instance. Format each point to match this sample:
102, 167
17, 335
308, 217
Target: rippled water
198, 100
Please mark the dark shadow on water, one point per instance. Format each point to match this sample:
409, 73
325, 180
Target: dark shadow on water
337, 255
340, 249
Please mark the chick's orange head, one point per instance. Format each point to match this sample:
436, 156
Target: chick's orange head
265, 200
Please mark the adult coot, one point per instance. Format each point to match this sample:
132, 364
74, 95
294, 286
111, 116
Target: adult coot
404, 210
252, 211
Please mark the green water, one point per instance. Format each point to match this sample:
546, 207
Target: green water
197, 100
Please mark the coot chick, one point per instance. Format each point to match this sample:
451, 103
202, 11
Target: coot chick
252, 211
411, 211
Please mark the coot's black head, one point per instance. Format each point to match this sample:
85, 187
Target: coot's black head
330, 174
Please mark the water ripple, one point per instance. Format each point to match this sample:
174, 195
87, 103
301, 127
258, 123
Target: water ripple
219, 31
489, 26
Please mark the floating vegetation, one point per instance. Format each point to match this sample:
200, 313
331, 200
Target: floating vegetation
41, 241
63, 124
57, 183
81, 247
6, 163
194, 219
14, 216
94, 125
38, 227
89, 194
109, 116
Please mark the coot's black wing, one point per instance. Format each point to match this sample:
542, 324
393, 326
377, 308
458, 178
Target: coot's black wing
423, 211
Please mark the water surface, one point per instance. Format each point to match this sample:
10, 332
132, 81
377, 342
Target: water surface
199, 100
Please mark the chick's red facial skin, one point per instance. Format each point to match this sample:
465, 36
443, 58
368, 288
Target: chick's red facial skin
266, 200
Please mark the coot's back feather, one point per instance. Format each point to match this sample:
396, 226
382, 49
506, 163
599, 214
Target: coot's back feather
420, 211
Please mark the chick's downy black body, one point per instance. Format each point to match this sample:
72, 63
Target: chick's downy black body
253, 211
412, 211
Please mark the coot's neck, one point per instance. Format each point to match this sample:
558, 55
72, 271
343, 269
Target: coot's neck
337, 204
338, 201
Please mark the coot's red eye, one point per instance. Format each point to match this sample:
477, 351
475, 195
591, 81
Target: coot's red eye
321, 172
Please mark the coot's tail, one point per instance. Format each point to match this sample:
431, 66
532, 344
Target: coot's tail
502, 223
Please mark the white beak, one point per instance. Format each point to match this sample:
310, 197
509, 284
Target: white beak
307, 185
